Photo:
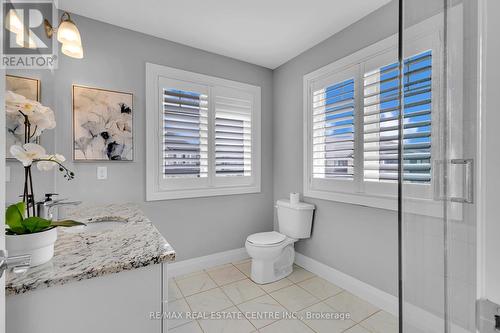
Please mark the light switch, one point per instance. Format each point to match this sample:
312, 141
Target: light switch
7, 174
102, 173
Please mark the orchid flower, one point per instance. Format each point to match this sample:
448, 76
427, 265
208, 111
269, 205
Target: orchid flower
27, 153
30, 153
39, 116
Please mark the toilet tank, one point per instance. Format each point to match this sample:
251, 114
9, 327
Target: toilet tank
295, 221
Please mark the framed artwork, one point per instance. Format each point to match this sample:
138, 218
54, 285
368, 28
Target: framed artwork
102, 125
27, 87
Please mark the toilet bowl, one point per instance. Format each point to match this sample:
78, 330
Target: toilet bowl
273, 252
272, 256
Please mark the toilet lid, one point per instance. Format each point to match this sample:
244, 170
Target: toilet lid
266, 238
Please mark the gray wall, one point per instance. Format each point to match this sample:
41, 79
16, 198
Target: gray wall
356, 240
115, 59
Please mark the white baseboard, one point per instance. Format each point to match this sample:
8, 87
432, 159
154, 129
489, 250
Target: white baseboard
413, 315
196, 264
377, 297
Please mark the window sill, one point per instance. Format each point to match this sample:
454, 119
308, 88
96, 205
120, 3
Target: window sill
417, 206
157, 195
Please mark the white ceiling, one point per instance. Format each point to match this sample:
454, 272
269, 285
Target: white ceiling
262, 32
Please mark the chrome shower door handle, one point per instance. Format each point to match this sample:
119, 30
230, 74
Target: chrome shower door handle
468, 180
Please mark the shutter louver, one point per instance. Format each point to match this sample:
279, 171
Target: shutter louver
233, 136
381, 112
185, 131
333, 131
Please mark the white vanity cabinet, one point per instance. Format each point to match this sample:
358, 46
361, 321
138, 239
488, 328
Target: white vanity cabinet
120, 302
100, 279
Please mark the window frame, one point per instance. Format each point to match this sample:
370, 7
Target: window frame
374, 194
158, 188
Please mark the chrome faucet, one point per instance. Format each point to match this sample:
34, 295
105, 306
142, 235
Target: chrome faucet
49, 208
51, 215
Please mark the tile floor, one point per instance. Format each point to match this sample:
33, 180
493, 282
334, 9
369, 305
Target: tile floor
227, 289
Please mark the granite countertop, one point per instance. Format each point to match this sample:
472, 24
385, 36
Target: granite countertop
86, 254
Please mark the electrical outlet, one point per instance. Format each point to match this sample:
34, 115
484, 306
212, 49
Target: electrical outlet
102, 173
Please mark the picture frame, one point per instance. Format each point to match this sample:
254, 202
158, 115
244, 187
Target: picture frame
102, 124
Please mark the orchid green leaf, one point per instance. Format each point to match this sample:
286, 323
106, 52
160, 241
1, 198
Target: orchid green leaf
36, 224
14, 217
66, 223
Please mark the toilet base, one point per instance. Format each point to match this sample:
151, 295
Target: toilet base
268, 271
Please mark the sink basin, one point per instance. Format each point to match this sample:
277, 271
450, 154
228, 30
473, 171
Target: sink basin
97, 226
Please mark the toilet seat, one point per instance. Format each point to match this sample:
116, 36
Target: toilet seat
265, 239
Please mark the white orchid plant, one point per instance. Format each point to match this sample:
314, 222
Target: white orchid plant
29, 119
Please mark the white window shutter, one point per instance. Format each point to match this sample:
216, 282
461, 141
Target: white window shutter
333, 131
233, 132
381, 121
418, 118
185, 132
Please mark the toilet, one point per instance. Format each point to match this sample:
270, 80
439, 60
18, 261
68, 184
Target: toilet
273, 252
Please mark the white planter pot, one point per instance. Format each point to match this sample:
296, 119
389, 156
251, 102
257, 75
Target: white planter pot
39, 245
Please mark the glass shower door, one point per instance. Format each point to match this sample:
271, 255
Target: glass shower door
438, 52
